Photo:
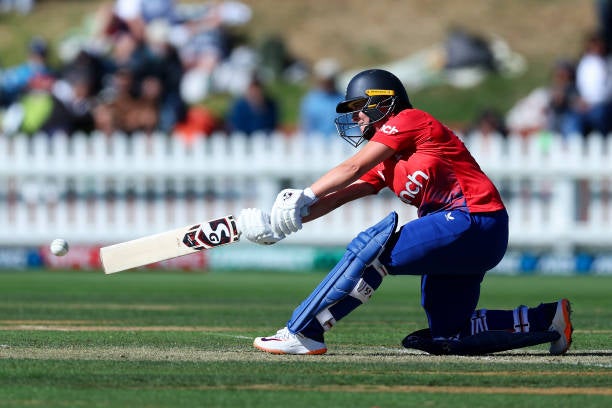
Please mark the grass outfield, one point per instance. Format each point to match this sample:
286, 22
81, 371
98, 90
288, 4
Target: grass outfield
83, 339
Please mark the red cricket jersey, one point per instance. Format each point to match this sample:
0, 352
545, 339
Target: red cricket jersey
432, 170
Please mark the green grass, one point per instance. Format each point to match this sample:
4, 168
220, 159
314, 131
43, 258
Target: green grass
184, 339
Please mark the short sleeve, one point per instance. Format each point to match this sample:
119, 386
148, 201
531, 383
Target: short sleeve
374, 178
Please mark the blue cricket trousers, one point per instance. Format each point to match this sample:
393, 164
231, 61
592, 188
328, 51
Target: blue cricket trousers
452, 251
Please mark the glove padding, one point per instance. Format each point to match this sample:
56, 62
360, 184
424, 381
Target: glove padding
289, 208
254, 225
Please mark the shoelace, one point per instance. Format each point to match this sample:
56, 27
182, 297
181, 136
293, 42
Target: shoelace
284, 334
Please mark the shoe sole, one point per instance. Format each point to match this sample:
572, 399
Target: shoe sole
279, 352
569, 328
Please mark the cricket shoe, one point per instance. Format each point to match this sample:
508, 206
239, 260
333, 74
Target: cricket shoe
285, 342
562, 324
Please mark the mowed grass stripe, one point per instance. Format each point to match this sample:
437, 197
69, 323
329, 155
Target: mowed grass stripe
194, 355
98, 328
92, 325
160, 307
415, 388
245, 353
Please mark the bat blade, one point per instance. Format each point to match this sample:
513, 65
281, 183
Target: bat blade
169, 244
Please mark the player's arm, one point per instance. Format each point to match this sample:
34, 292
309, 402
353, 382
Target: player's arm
338, 198
351, 169
291, 204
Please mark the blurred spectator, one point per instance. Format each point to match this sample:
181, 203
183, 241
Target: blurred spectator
50, 105
489, 122
14, 80
19, 6
206, 44
203, 37
93, 66
563, 118
154, 57
234, 74
127, 111
199, 122
33, 107
254, 111
194, 37
127, 52
146, 10
159, 59
132, 16
214, 60
529, 114
203, 44
318, 107
577, 101
72, 108
594, 84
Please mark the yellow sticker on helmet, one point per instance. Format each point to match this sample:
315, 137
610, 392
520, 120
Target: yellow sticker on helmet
379, 92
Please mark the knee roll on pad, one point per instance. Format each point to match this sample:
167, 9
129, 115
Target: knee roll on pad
345, 279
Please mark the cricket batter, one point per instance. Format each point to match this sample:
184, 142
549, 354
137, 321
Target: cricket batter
461, 232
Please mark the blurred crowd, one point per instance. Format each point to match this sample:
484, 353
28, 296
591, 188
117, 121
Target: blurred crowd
143, 66
149, 65
576, 101
16, 6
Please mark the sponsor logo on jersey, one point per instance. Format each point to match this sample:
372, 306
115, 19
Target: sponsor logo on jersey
388, 129
413, 186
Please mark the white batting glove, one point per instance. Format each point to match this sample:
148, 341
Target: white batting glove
289, 208
254, 225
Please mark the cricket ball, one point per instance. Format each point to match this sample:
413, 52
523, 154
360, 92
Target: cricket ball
59, 247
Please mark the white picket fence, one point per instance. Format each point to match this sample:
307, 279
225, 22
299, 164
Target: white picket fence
94, 189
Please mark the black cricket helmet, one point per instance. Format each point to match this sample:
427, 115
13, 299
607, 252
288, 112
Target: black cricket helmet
375, 92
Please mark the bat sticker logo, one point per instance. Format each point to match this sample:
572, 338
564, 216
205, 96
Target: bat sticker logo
211, 234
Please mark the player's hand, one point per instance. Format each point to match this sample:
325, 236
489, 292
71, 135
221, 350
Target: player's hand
289, 208
254, 225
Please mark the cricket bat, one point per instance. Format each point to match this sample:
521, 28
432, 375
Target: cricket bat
169, 244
